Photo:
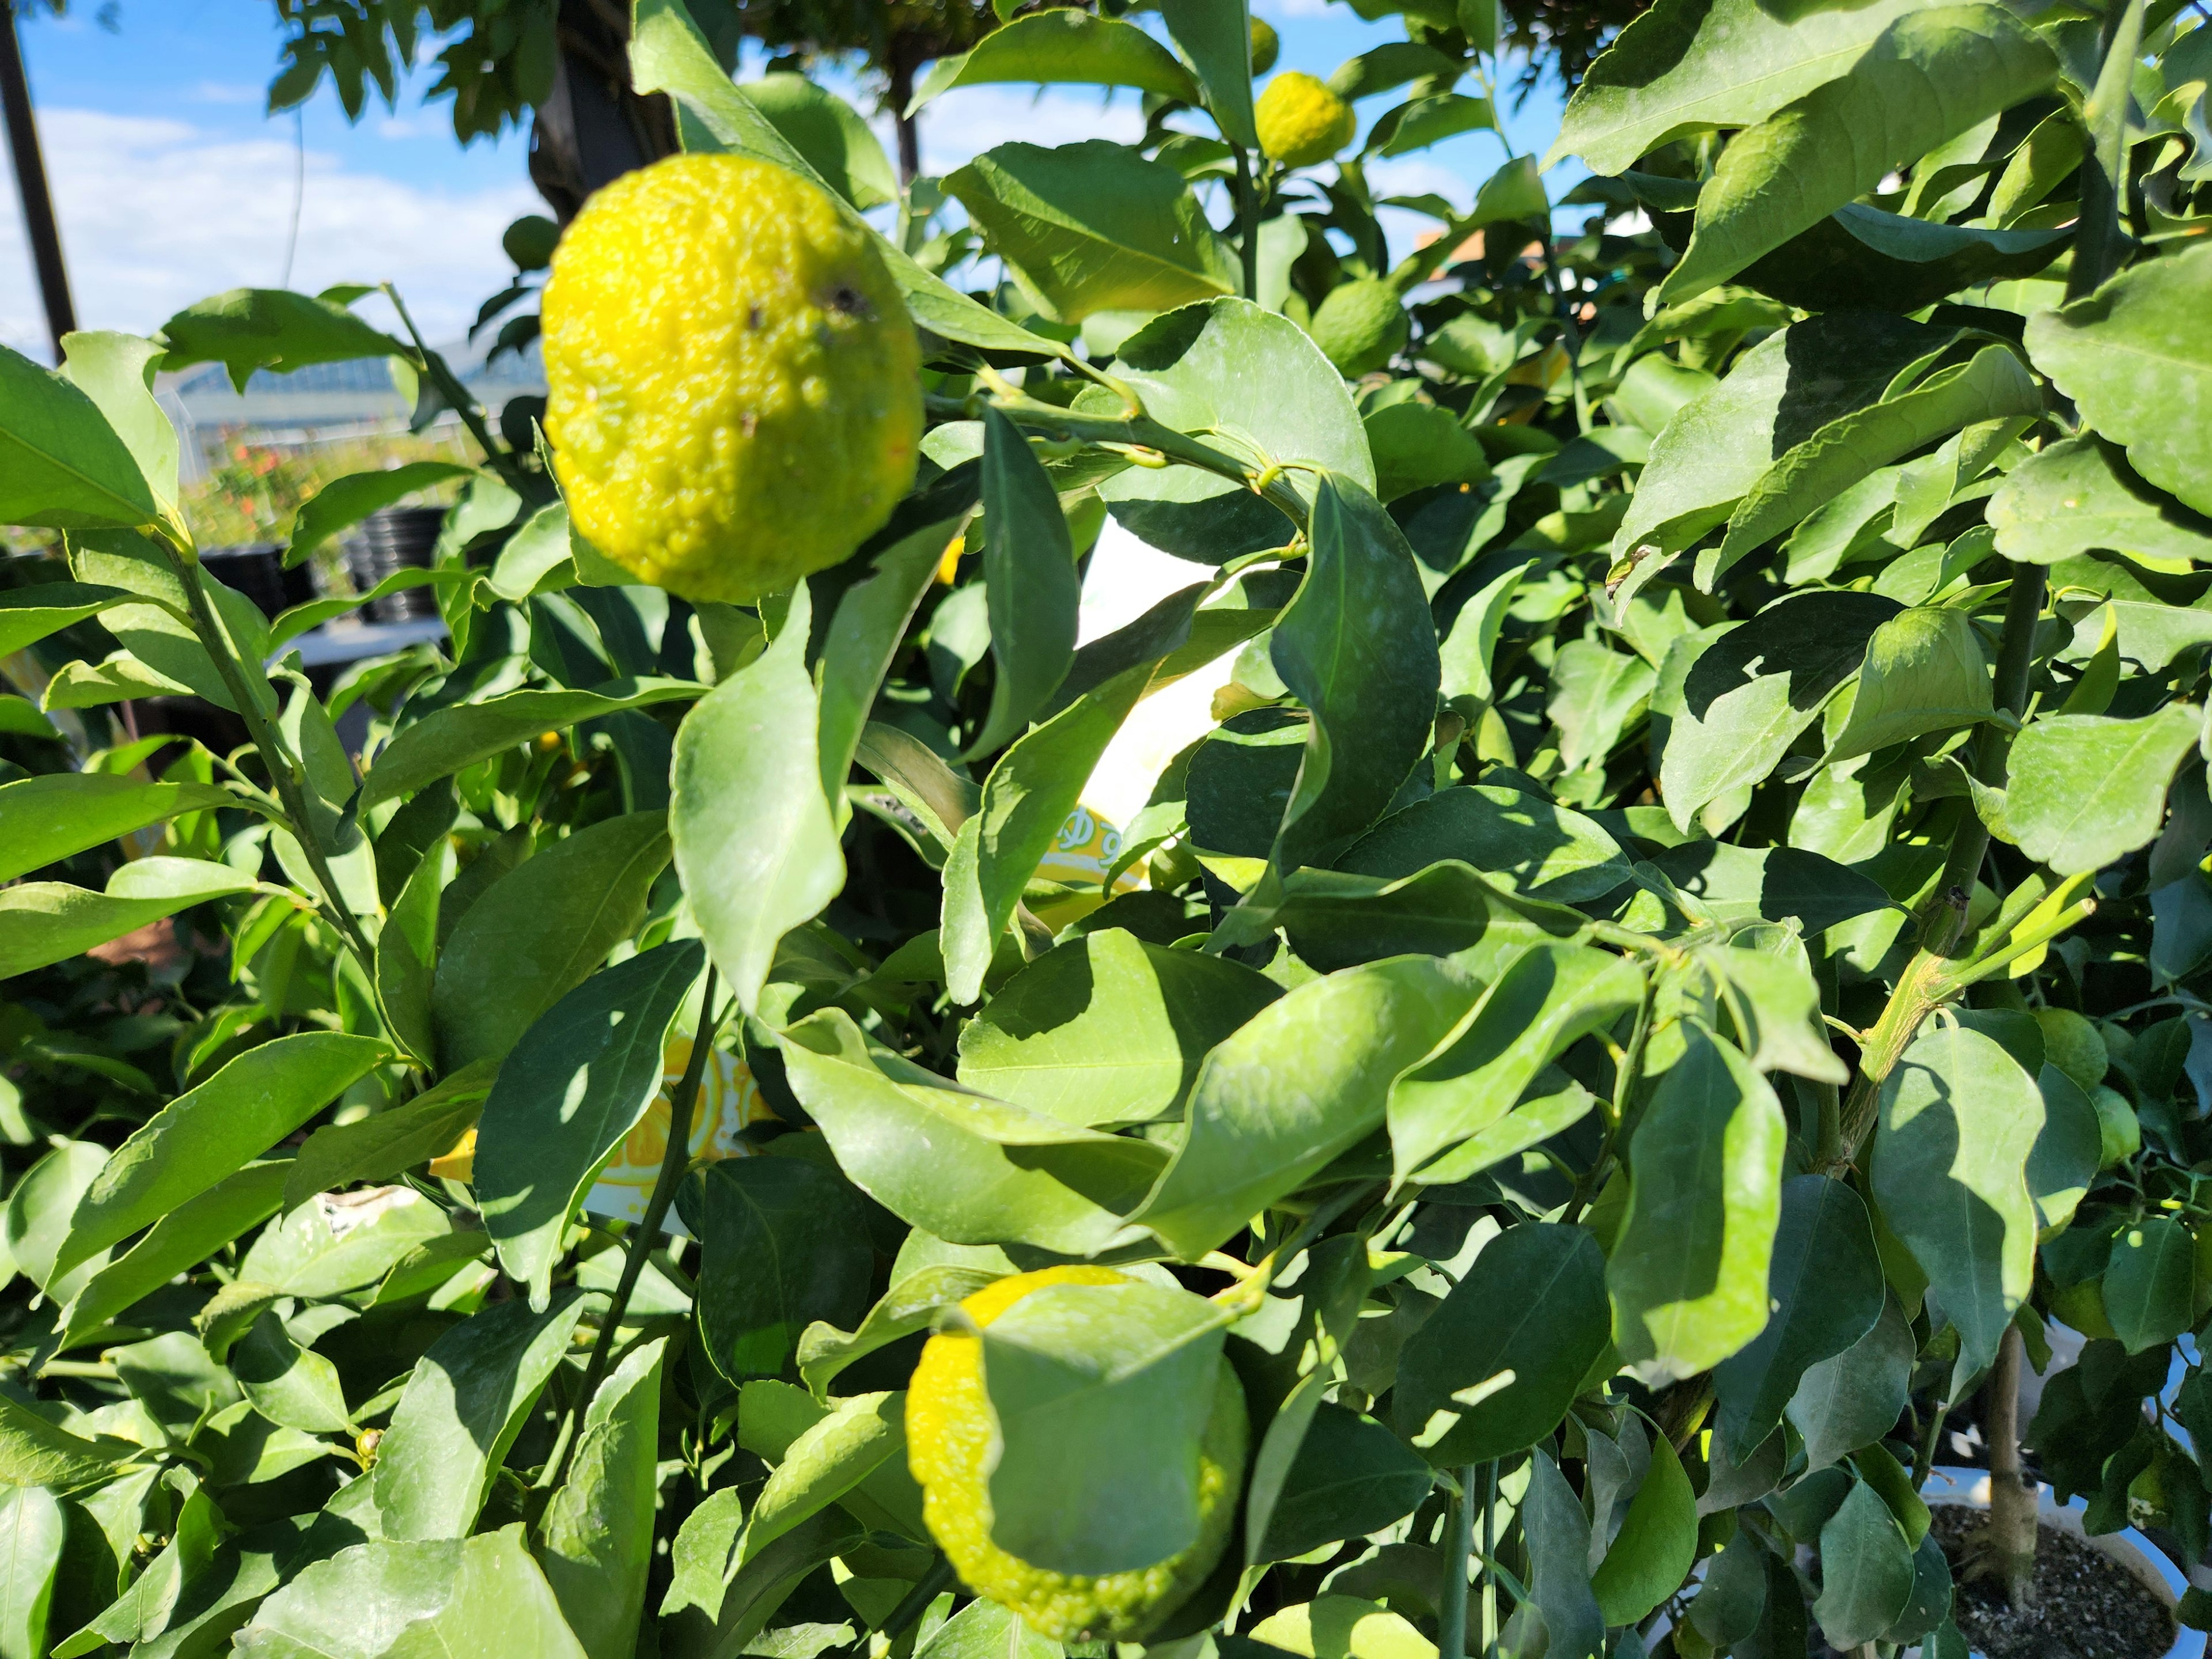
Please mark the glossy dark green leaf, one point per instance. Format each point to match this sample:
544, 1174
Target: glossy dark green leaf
344, 502
181, 1240
251, 328
1107, 1030
1866, 1571
1684, 67
1304, 1079
388, 1143
1351, 1477
1825, 1288
1546, 999
35, 1453
1558, 1538
2132, 355
1959, 1118
1737, 884
961, 1166
1108, 1391
2147, 1283
1497, 1364
29, 614
831, 135
1860, 256
66, 467
293, 1387
787, 1244
1689, 1271
46, 921
1026, 799
1534, 847
1029, 574
32, 1531
407, 953
1050, 48
577, 1083
2081, 790
45, 819
2069, 1149
923, 1284
461, 1410
1215, 39
212, 1132
1656, 1545
1337, 921
527, 941
1925, 672
853, 1453
2080, 492
1357, 648
595, 1541
1094, 227
306, 1254
1922, 82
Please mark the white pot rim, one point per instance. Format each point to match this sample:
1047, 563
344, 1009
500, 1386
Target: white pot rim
2150, 1566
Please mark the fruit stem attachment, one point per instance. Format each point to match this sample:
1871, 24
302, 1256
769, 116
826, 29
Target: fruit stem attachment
673, 1164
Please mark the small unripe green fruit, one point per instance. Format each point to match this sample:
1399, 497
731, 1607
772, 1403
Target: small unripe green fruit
2119, 1136
2071, 1044
1266, 46
1360, 326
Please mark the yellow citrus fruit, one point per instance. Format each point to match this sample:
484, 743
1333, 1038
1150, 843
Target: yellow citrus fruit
734, 390
949, 1433
1301, 121
1360, 325
1266, 45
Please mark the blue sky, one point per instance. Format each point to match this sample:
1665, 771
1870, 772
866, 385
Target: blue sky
171, 183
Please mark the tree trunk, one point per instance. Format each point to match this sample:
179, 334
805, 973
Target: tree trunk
594, 127
900, 94
2011, 1537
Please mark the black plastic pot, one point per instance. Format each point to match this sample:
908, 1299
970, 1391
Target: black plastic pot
395, 538
257, 570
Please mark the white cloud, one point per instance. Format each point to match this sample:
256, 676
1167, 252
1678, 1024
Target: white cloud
965, 123
224, 92
155, 214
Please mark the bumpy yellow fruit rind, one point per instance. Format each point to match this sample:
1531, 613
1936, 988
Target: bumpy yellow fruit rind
734, 386
948, 1432
1301, 121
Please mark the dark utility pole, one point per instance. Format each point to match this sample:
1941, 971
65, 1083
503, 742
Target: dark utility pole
31, 183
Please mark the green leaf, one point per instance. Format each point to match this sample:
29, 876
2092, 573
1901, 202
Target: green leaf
1107, 1390
293, 1387
1430, 120
209, 1133
968, 1169
250, 328
831, 135
1689, 1271
44, 921
1521, 840
461, 1410
2147, 1283
35, 1453
1497, 1364
1547, 999
1558, 1534
1356, 648
538, 931
304, 1255
32, 1529
1860, 256
1766, 981
2083, 790
1825, 1289
2133, 357
1053, 47
344, 502
1738, 884
577, 1083
64, 465
857, 1443
1959, 1118
1249, 380
116, 371
445, 742
1746, 696
1924, 671
1031, 790
386, 1143
1420, 445
755, 839
1657, 1546
1304, 1079
786, 1244
1337, 921
2080, 492
397, 1599
1108, 1029
2069, 1150
1093, 225
1686, 67
1215, 39
407, 952
45, 819
1030, 583
1928, 77
1866, 1571
1720, 443
1994, 384
917, 1294
594, 1542
182, 1239
38, 1209
1595, 694
1351, 1477
668, 54
28, 614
